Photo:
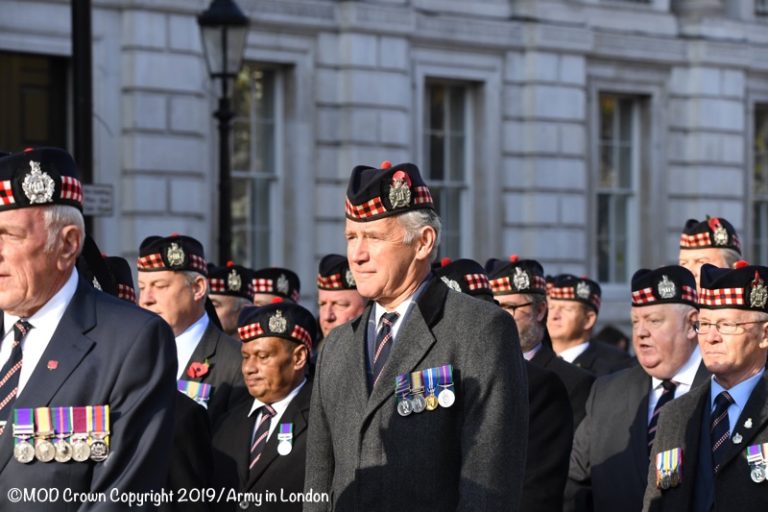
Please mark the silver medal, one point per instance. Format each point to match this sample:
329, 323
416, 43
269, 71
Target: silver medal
284, 447
418, 403
404, 407
446, 398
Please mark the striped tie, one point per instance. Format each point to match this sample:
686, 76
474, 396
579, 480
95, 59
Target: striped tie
383, 345
261, 434
9, 383
666, 396
721, 429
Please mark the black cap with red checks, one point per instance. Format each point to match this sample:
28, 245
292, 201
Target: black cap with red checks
465, 276
231, 279
276, 281
745, 287
391, 190
39, 177
333, 273
711, 233
665, 285
175, 252
516, 276
123, 276
285, 320
579, 289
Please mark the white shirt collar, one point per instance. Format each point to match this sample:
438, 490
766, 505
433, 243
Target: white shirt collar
570, 354
686, 373
187, 342
531, 353
279, 407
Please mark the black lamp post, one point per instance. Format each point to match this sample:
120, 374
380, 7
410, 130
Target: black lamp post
224, 28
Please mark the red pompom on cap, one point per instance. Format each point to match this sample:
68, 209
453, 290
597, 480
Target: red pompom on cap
514, 258
230, 264
277, 300
445, 261
741, 264
386, 164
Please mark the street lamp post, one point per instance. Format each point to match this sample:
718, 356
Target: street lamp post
224, 28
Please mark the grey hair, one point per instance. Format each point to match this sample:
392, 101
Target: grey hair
730, 257
56, 218
414, 221
190, 276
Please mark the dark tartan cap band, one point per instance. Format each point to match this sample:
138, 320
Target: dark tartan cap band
665, 285
39, 177
282, 320
333, 273
579, 289
713, 232
231, 279
465, 276
176, 252
391, 190
740, 288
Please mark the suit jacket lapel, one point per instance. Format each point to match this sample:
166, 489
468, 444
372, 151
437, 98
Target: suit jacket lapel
297, 413
413, 341
544, 356
205, 350
67, 347
702, 376
587, 358
756, 408
637, 408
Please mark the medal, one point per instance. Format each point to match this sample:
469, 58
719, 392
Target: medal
81, 451
62, 426
669, 468
98, 419
757, 473
757, 461
402, 388
404, 408
446, 398
197, 391
432, 402
430, 377
285, 439
23, 430
44, 449
418, 404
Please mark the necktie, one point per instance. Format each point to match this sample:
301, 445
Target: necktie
666, 396
9, 382
383, 343
721, 428
261, 434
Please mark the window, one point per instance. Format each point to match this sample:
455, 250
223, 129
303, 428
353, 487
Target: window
617, 184
761, 6
760, 185
447, 157
256, 128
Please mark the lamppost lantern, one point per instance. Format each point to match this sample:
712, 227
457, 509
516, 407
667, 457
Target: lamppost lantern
224, 29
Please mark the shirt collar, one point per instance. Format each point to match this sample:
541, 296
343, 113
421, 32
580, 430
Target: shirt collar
194, 332
570, 354
53, 310
279, 406
402, 309
686, 373
740, 392
531, 353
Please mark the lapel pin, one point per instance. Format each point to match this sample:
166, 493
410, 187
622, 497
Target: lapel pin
53, 364
737, 439
748, 423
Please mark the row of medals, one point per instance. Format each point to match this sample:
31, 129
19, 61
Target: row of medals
418, 403
79, 450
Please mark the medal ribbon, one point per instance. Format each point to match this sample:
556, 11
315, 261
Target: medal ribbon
755, 453
286, 431
194, 390
44, 423
62, 421
446, 375
765, 451
23, 423
429, 376
416, 382
80, 420
402, 385
101, 421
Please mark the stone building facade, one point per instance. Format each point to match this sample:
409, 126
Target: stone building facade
582, 133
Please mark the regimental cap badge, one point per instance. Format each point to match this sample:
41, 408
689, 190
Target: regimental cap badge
719, 233
400, 190
450, 283
521, 279
282, 285
666, 288
350, 277
234, 282
175, 255
278, 323
582, 290
759, 295
38, 185
96, 284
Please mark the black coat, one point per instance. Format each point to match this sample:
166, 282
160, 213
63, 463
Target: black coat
273, 473
577, 381
601, 359
550, 434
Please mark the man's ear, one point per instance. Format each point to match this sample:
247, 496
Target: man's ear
425, 242
199, 287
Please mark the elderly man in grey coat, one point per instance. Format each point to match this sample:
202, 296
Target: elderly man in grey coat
420, 404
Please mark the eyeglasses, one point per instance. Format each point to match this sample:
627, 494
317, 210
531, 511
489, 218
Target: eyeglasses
723, 327
514, 307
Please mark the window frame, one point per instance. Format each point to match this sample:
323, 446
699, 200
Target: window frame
753, 197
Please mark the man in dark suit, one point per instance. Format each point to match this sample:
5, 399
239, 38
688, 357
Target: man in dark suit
420, 403
609, 462
66, 344
713, 240
550, 428
261, 445
173, 284
710, 448
574, 304
520, 288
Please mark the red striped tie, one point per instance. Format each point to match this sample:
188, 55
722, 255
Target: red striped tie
383, 343
261, 434
721, 429
9, 382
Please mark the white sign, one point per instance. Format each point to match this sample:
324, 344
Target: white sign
98, 200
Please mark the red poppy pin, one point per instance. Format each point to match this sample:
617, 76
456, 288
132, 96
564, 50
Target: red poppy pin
53, 364
197, 370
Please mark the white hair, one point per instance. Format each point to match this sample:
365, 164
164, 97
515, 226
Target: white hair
414, 221
190, 276
59, 216
730, 257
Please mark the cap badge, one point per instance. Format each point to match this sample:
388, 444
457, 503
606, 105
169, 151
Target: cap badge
282, 284
38, 185
450, 283
521, 279
96, 284
399, 190
582, 290
278, 323
350, 278
666, 288
759, 295
718, 231
175, 255
234, 282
